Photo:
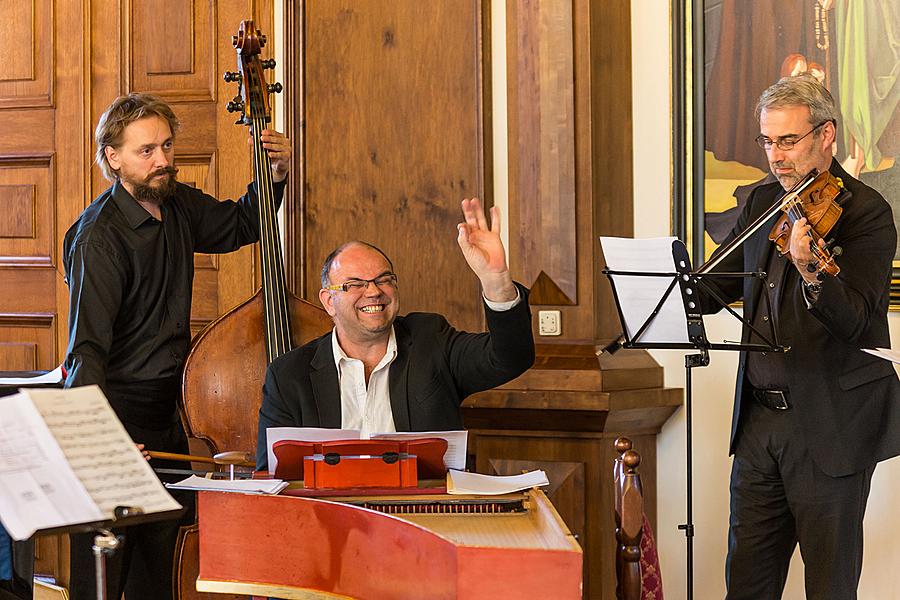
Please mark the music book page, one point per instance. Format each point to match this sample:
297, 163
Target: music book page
885, 353
461, 482
65, 459
454, 457
639, 294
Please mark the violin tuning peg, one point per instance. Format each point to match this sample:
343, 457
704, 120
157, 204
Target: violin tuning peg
274, 88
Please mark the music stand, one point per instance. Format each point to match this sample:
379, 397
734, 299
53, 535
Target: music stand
106, 542
690, 284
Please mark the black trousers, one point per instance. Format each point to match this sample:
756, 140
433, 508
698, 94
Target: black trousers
142, 567
780, 498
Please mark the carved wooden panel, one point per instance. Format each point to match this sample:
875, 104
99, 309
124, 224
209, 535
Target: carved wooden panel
394, 140
26, 47
27, 219
28, 341
19, 207
199, 171
541, 90
18, 356
173, 48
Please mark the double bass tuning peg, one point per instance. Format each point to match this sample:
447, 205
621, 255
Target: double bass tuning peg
268, 63
232, 76
274, 88
235, 106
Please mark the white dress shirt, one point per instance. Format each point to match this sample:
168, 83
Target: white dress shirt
368, 408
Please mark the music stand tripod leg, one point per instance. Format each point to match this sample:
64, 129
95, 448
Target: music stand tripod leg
105, 544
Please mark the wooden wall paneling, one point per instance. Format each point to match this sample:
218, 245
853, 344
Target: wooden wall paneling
173, 46
541, 87
394, 130
26, 222
29, 341
611, 140
26, 76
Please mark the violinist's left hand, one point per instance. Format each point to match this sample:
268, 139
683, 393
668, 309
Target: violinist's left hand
278, 147
800, 250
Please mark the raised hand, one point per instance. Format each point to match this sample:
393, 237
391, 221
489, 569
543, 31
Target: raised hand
278, 147
483, 250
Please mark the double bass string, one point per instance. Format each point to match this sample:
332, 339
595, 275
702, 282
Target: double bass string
274, 285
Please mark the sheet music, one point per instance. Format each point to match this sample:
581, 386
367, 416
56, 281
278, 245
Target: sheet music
304, 434
243, 486
457, 441
638, 296
100, 451
461, 482
38, 489
454, 457
48, 378
885, 353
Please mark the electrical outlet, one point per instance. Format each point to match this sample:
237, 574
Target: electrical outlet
549, 322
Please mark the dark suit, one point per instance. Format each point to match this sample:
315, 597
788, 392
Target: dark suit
845, 403
436, 368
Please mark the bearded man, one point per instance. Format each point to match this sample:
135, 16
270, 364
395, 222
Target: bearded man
129, 261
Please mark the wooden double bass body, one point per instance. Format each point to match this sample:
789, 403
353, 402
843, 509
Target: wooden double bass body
225, 370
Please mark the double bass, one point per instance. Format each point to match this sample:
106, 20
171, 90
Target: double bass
225, 369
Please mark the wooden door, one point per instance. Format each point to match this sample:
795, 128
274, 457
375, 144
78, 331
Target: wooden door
63, 62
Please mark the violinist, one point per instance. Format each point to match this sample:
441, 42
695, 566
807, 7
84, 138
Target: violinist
129, 261
809, 424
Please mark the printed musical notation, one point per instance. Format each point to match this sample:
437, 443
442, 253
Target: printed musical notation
66, 459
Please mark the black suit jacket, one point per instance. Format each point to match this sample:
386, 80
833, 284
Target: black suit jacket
845, 402
436, 368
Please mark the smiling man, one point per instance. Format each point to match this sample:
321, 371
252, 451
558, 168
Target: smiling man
809, 424
129, 261
380, 372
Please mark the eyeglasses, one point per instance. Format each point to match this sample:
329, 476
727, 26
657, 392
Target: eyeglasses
784, 143
385, 280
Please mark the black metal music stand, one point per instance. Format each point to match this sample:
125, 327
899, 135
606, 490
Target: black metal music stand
690, 285
106, 542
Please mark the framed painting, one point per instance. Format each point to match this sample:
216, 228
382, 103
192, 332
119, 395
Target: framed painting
739, 48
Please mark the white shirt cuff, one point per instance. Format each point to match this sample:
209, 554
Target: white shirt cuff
503, 306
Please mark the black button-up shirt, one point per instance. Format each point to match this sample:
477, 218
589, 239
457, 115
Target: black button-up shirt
768, 370
130, 279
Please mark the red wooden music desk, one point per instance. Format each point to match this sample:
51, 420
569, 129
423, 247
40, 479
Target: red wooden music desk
296, 547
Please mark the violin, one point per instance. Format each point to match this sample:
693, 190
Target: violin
817, 197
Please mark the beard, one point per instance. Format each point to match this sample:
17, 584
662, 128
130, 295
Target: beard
157, 193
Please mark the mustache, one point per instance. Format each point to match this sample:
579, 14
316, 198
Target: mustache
171, 171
